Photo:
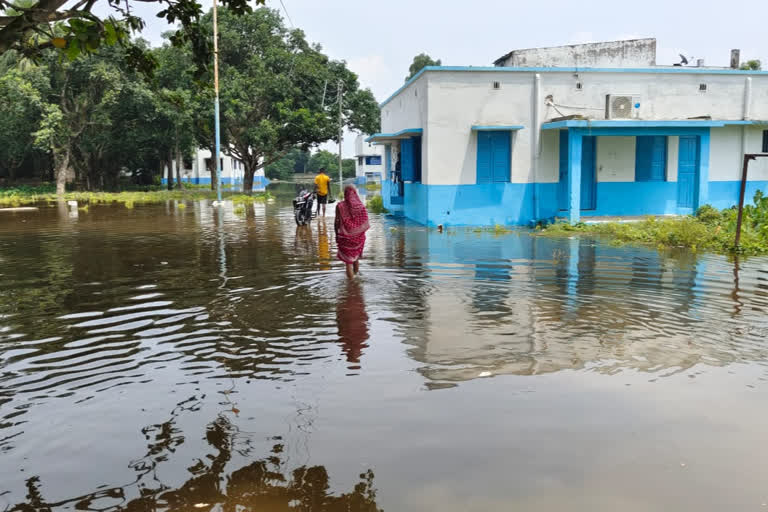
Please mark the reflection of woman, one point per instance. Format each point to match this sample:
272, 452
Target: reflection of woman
353, 322
351, 224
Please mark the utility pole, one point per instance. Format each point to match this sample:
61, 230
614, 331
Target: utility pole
216, 104
341, 137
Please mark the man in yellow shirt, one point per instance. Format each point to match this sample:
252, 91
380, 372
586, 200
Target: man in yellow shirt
323, 189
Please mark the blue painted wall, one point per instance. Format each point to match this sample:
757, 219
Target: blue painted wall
512, 203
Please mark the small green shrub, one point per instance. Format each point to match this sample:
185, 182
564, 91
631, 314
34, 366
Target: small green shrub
376, 205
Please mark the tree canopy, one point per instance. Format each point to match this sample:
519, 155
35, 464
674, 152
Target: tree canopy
420, 61
753, 64
33, 26
96, 119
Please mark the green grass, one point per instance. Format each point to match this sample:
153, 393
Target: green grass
498, 229
709, 230
373, 186
376, 205
20, 196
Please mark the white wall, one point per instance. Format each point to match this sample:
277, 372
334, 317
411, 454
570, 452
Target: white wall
609, 54
725, 156
615, 159
549, 157
673, 152
758, 168
447, 103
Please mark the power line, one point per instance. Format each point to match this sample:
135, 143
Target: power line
286, 14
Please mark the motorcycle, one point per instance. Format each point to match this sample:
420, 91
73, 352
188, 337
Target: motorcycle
302, 207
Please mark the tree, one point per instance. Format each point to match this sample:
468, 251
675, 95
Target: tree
272, 91
33, 27
348, 168
754, 65
324, 160
420, 61
21, 102
294, 161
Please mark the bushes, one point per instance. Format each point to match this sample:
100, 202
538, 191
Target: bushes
376, 205
710, 229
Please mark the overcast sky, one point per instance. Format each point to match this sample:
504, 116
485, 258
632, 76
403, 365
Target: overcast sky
379, 39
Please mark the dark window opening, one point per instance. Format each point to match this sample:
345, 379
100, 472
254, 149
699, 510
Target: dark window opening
703, 87
765, 141
373, 160
578, 86
497, 85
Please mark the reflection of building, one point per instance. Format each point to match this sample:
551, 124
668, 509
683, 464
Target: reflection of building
597, 129
369, 165
197, 170
527, 305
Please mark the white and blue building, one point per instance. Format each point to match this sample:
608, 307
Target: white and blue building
571, 132
369, 161
196, 171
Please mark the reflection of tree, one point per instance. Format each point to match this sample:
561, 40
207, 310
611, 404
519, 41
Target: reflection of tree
262, 485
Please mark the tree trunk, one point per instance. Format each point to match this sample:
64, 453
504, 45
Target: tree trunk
250, 170
169, 164
179, 164
62, 169
212, 169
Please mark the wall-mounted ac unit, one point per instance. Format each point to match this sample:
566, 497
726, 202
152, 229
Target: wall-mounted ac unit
621, 106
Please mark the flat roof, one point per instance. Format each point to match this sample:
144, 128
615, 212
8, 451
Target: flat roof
637, 123
651, 70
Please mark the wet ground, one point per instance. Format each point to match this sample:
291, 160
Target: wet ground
167, 358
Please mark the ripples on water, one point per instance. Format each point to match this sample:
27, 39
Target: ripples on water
231, 346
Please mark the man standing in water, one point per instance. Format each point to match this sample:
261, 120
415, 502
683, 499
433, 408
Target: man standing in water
323, 189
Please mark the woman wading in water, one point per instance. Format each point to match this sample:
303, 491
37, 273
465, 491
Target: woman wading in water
351, 224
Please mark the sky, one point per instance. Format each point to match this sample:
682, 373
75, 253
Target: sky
378, 40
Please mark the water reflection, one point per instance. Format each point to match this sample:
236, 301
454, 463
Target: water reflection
104, 318
352, 321
265, 484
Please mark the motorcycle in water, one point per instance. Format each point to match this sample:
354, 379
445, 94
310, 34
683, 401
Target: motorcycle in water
302, 207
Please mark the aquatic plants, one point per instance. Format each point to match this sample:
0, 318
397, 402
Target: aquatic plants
709, 229
33, 195
376, 205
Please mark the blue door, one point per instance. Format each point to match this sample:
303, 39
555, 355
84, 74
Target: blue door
651, 158
588, 177
493, 156
687, 165
588, 174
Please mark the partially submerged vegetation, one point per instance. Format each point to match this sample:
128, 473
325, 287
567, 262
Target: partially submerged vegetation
21, 196
709, 229
376, 205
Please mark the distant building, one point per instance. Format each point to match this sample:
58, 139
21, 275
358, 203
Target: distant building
569, 132
196, 171
369, 161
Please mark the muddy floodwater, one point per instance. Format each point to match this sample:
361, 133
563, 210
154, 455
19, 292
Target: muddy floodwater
166, 358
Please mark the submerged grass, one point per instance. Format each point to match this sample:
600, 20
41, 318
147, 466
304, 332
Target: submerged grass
20, 196
709, 229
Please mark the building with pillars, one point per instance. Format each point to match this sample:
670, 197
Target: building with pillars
571, 132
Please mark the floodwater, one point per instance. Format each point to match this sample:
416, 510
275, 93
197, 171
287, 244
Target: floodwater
198, 359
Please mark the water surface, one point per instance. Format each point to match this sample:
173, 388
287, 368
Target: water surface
167, 358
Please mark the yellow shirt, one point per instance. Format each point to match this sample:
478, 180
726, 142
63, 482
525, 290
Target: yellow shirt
322, 180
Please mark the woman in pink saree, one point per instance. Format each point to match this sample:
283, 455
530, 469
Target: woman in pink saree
351, 224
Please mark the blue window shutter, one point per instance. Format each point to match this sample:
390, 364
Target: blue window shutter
500, 156
651, 158
484, 157
417, 159
406, 159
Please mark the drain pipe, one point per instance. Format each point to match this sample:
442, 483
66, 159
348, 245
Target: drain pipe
746, 113
536, 139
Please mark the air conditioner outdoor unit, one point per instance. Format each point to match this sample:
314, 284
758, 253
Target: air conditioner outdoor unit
621, 106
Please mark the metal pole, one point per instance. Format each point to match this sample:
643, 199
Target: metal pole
216, 104
341, 137
742, 191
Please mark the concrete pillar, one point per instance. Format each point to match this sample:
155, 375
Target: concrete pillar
702, 176
574, 175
